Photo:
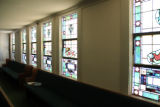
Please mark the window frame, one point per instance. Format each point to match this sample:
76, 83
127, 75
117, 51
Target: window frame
35, 42
61, 44
47, 41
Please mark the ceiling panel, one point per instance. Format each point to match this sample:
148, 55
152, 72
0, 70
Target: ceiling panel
14, 14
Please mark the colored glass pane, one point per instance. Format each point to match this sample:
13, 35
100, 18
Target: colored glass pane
24, 58
24, 36
69, 26
149, 82
147, 49
47, 30
33, 34
24, 48
147, 12
34, 48
69, 68
34, 60
47, 63
13, 38
13, 48
70, 48
47, 48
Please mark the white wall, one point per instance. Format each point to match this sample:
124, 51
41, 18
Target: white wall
104, 45
100, 45
4, 47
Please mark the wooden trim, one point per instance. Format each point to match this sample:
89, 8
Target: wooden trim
6, 98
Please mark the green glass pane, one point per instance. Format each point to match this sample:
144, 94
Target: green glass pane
150, 95
138, 9
68, 17
136, 78
137, 38
137, 55
75, 16
138, 17
138, 29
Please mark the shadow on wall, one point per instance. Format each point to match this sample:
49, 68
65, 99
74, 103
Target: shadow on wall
4, 47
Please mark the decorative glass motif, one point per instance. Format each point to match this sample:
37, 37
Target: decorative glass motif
70, 48
47, 62
146, 25
147, 49
24, 36
24, 59
13, 38
47, 29
146, 16
34, 60
146, 82
47, 48
24, 48
13, 46
69, 26
34, 45
34, 48
33, 34
69, 68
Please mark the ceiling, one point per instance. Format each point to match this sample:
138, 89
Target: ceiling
14, 14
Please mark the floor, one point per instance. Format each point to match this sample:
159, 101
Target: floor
15, 93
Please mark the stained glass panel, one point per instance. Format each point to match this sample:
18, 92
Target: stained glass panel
34, 48
47, 30
70, 48
24, 48
24, 59
34, 60
146, 16
24, 36
69, 68
146, 82
47, 62
13, 48
33, 34
13, 38
47, 48
147, 49
69, 26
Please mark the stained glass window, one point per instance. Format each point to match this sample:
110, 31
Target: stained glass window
146, 16
146, 82
24, 46
69, 45
69, 68
147, 49
146, 43
47, 61
47, 29
47, 46
34, 45
13, 46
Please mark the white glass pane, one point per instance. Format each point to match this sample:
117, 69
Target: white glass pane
146, 39
150, 80
146, 6
146, 20
156, 4
145, 61
156, 48
156, 39
146, 49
